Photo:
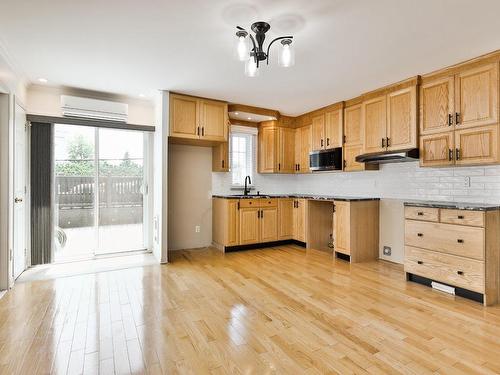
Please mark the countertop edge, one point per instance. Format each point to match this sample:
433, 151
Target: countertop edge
301, 196
453, 205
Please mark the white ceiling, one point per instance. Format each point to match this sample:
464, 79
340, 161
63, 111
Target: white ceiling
343, 47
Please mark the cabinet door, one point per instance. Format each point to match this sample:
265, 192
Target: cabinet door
350, 163
402, 119
213, 121
306, 148
269, 224
342, 227
436, 106
374, 124
299, 220
318, 132
352, 125
477, 145
437, 150
184, 116
286, 208
249, 225
333, 128
220, 157
477, 96
268, 143
233, 220
286, 162
298, 150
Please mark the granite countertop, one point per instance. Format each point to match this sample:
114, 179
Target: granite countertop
453, 205
303, 196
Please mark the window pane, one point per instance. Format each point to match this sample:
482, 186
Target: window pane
241, 157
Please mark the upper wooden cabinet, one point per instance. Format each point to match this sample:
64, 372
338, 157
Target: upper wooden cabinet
459, 116
303, 137
220, 157
196, 118
276, 149
327, 129
352, 125
374, 120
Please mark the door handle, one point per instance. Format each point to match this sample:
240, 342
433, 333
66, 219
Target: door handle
18, 200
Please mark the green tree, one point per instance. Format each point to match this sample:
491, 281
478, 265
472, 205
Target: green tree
80, 163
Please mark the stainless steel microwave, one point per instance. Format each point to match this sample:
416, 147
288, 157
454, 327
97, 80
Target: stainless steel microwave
326, 160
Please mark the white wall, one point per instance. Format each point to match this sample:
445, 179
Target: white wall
46, 100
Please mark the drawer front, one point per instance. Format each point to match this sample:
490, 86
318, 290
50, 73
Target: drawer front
447, 238
422, 213
249, 203
272, 202
463, 217
449, 269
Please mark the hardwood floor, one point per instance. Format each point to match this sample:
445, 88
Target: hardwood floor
278, 310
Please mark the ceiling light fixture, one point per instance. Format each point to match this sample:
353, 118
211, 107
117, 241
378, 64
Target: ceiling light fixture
253, 54
42, 80
142, 95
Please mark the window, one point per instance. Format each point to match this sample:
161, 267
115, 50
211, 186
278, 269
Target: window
242, 154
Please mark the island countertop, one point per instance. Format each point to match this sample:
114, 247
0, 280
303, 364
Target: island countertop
453, 205
298, 196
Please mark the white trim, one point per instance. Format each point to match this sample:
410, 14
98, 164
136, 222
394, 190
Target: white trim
244, 129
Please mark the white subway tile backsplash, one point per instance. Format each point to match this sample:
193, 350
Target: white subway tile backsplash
398, 181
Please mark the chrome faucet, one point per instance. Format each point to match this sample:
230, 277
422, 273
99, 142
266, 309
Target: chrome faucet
247, 190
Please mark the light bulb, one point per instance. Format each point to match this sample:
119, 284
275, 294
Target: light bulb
286, 58
251, 69
242, 48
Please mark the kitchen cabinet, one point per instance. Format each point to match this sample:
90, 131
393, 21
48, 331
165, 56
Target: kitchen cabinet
220, 157
225, 221
276, 150
198, 119
389, 121
462, 106
327, 130
249, 225
268, 224
299, 219
356, 229
258, 220
453, 246
353, 140
303, 137
286, 208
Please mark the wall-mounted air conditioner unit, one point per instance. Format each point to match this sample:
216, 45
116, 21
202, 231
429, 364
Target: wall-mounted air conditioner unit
74, 106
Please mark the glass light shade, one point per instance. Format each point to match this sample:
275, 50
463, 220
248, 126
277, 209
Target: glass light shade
286, 57
241, 48
251, 69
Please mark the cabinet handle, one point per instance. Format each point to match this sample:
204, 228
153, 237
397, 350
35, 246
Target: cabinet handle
238, 205
383, 142
457, 118
450, 154
450, 119
420, 262
327, 141
261, 214
198, 131
202, 131
298, 167
222, 164
457, 151
460, 272
345, 163
334, 208
420, 213
460, 216
321, 142
420, 234
388, 141
279, 166
345, 139
460, 240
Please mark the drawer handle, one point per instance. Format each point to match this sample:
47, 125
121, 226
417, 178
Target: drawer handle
420, 234
460, 272
460, 216
420, 262
460, 240
420, 213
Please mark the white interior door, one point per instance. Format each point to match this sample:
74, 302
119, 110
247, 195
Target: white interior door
20, 170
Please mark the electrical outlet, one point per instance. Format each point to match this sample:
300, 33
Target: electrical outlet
387, 251
197, 229
466, 181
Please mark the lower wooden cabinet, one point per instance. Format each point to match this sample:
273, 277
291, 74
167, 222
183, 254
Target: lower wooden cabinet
225, 221
249, 227
268, 224
456, 247
286, 218
299, 220
356, 229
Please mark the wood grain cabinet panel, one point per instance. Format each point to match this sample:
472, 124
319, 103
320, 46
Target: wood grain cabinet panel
286, 160
352, 126
225, 221
437, 150
422, 213
233, 223
220, 157
184, 116
463, 217
298, 150
249, 225
318, 132
299, 220
437, 106
213, 120
286, 219
306, 148
268, 224
402, 119
477, 96
374, 120
334, 128
350, 163
478, 145
268, 146
342, 227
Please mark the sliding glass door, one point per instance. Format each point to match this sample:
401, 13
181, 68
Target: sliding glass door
99, 191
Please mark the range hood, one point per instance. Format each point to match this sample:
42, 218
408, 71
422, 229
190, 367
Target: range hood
386, 157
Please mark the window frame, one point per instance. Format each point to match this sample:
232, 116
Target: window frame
250, 154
